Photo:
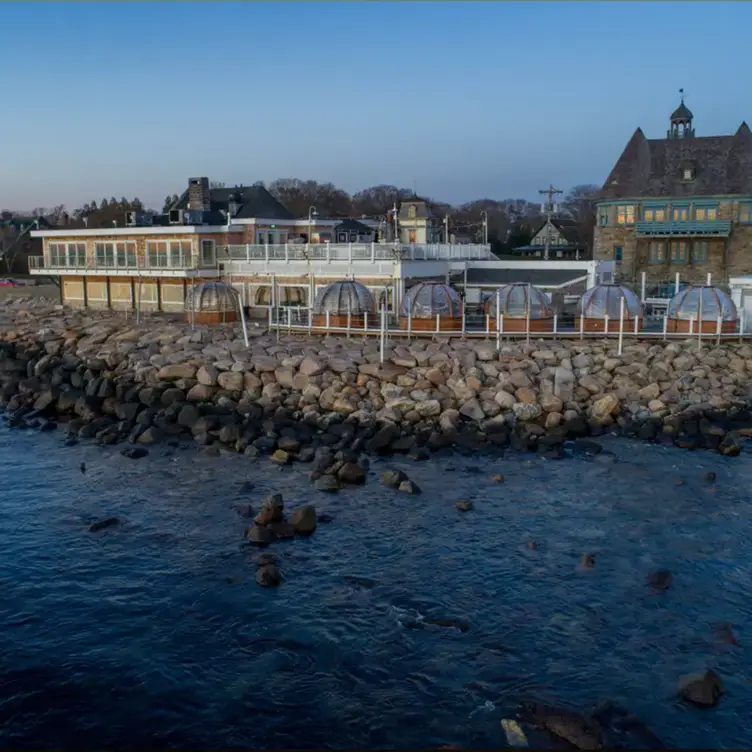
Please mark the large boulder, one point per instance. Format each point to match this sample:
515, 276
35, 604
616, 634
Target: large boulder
272, 510
268, 576
703, 688
303, 519
176, 371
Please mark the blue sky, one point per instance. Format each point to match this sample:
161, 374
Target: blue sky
464, 100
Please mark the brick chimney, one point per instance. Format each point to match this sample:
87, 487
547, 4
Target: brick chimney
198, 194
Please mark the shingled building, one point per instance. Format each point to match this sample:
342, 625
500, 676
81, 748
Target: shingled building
679, 204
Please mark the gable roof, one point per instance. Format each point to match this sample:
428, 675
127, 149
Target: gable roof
653, 167
352, 225
566, 226
255, 201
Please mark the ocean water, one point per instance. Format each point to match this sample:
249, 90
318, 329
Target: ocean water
155, 633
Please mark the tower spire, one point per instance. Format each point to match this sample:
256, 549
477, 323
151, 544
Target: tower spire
681, 121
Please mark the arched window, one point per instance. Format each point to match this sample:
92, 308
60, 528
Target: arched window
411, 212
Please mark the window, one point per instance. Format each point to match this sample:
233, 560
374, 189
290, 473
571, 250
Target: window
603, 217
700, 251
125, 255
657, 252
681, 213
104, 253
180, 254
688, 173
57, 254
411, 212
709, 213
617, 253
156, 254
679, 252
654, 214
208, 253
745, 212
625, 215
76, 254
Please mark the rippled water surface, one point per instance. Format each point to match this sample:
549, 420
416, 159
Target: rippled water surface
155, 633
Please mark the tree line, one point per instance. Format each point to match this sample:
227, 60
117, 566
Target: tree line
510, 222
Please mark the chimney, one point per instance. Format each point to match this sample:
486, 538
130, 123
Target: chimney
198, 194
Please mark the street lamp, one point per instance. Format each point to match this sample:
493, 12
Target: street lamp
484, 216
311, 214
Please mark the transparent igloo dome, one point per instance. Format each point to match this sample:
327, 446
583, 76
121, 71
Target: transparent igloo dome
430, 299
345, 296
603, 300
702, 302
516, 299
212, 297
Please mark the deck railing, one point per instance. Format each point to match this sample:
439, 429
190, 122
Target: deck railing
386, 325
152, 261
348, 252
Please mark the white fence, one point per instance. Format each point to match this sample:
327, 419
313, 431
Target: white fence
349, 252
383, 324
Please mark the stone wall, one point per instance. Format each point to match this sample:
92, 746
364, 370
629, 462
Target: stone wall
143, 384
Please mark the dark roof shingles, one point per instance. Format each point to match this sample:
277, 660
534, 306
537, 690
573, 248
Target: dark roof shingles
257, 202
654, 167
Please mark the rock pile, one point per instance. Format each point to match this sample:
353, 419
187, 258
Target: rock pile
289, 398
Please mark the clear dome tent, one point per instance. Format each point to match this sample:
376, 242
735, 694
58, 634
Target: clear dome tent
518, 302
212, 302
344, 303
425, 301
603, 302
703, 304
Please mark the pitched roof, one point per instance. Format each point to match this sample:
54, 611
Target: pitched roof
566, 226
421, 208
654, 167
255, 202
352, 225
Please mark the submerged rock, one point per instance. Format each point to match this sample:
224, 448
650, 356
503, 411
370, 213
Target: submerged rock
661, 579
134, 453
703, 688
103, 524
392, 478
408, 487
464, 506
576, 729
268, 576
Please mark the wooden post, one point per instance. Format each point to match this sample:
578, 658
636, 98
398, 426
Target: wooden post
621, 324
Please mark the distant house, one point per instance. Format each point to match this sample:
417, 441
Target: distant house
353, 231
563, 237
416, 223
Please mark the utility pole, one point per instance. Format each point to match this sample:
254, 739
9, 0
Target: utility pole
446, 229
484, 217
396, 227
549, 208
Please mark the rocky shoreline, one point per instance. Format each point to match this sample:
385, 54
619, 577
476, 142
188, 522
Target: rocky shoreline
296, 398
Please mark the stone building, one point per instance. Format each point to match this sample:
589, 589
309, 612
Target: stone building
682, 204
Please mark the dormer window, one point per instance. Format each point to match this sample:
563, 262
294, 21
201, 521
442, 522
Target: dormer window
411, 212
688, 173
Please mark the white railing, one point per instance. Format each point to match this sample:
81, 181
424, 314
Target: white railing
383, 324
152, 261
349, 252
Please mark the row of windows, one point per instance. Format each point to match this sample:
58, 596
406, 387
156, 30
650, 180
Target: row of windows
625, 215
122, 255
678, 252
67, 254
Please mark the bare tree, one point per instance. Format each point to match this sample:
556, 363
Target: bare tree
580, 205
378, 199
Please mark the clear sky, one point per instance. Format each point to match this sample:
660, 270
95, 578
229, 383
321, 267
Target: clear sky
465, 100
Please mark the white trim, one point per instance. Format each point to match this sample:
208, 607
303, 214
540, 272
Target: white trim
107, 232
302, 221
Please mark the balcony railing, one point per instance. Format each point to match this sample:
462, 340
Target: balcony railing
691, 227
348, 252
151, 262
